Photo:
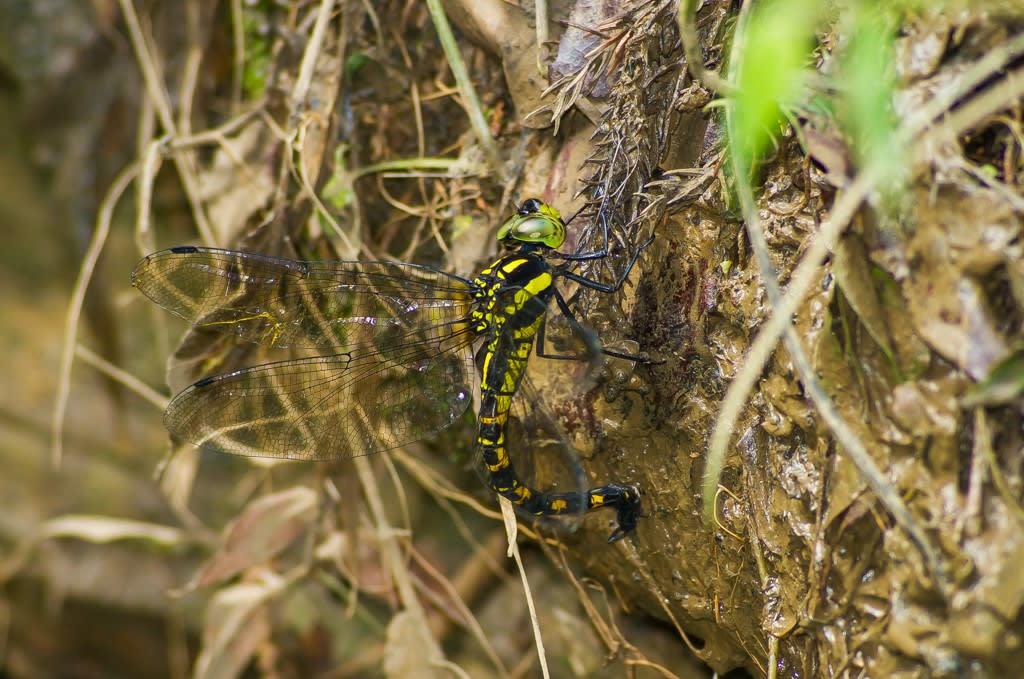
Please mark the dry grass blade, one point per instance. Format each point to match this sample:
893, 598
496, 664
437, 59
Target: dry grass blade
85, 272
511, 531
122, 377
470, 100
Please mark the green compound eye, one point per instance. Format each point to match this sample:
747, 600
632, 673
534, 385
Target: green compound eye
535, 222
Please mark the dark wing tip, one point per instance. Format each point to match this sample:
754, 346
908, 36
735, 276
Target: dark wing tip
206, 381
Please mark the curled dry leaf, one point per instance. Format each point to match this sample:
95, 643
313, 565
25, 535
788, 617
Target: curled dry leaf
411, 651
236, 625
102, 529
266, 527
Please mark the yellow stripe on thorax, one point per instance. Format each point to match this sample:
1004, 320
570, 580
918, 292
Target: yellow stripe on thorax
539, 283
509, 267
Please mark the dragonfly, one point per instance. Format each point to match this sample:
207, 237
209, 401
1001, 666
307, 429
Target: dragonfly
387, 352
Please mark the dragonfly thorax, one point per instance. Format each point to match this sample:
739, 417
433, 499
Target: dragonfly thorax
515, 288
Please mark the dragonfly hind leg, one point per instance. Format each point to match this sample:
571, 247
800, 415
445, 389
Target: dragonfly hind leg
589, 337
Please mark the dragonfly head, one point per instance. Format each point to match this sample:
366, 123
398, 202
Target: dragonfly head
534, 222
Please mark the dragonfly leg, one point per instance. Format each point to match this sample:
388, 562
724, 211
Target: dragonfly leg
589, 336
605, 287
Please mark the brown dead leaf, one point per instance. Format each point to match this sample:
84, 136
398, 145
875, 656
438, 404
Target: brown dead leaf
236, 625
850, 266
234, 194
411, 651
265, 527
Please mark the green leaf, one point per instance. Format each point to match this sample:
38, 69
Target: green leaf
774, 55
868, 82
1003, 384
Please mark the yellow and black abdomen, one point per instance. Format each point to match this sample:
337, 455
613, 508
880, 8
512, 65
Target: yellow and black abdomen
514, 294
513, 297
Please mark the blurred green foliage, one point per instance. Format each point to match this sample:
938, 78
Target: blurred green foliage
771, 64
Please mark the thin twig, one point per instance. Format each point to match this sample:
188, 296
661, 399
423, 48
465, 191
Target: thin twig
310, 56
238, 42
92, 254
185, 163
122, 377
470, 100
190, 69
511, 529
299, 172
152, 160
386, 536
691, 50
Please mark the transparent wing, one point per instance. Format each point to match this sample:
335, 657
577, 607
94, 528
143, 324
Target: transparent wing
281, 303
329, 407
398, 369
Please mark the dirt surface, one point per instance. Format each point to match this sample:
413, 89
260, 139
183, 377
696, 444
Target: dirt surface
337, 130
